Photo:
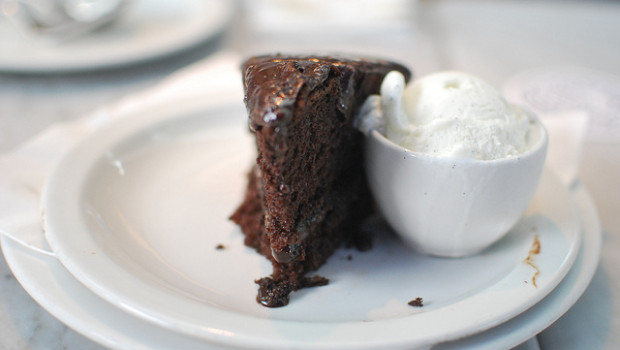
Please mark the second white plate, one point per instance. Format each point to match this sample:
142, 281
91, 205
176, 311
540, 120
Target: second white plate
136, 212
149, 29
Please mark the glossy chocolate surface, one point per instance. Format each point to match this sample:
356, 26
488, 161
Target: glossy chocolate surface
276, 82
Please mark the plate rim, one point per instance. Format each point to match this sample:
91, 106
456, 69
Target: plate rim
221, 335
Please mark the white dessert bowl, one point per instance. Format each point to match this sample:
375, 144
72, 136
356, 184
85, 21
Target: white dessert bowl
452, 206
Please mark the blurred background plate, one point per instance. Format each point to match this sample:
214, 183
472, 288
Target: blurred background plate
148, 30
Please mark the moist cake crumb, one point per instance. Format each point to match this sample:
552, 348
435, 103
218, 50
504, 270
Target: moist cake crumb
417, 302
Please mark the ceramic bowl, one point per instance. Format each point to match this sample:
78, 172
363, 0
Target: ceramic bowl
450, 206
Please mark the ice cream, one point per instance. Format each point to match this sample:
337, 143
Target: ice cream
454, 114
452, 165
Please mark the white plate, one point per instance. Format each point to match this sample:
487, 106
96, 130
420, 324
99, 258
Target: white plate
543, 314
136, 211
67, 299
149, 29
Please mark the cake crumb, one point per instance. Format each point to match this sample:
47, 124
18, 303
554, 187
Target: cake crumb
220, 247
417, 302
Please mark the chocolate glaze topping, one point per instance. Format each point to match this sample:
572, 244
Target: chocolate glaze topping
277, 81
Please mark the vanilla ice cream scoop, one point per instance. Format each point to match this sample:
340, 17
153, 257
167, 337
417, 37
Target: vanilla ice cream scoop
454, 114
451, 164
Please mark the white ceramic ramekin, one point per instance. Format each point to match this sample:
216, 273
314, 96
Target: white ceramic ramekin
449, 206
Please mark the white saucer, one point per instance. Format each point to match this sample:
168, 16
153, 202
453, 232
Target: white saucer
149, 29
61, 294
135, 213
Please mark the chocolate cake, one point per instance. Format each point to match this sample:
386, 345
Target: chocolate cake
307, 193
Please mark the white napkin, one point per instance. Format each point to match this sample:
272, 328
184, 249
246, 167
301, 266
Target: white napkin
23, 171
576, 104
569, 101
566, 136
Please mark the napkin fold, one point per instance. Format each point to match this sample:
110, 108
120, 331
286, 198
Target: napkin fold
566, 137
23, 171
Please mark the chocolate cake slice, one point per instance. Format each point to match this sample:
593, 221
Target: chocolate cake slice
307, 193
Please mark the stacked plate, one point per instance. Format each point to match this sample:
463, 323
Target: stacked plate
145, 256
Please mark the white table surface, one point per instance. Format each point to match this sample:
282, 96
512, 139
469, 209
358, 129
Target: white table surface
493, 39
